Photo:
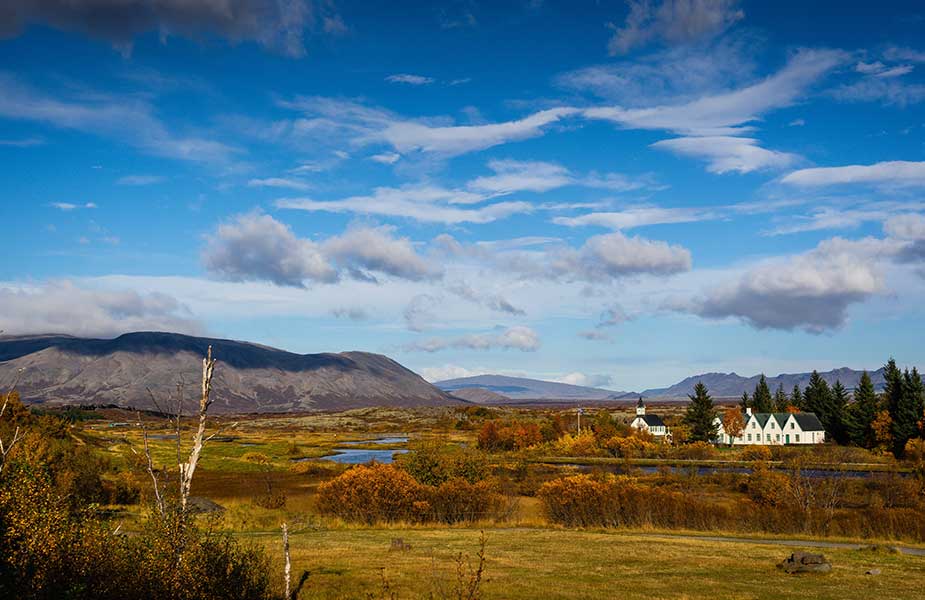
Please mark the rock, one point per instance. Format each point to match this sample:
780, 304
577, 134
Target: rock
873, 572
804, 562
203, 505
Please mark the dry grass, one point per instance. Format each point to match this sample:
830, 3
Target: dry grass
552, 563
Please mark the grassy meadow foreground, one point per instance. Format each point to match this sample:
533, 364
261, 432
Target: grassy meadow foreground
564, 514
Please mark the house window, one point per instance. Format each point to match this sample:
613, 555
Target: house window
777, 437
749, 437
754, 425
798, 438
768, 437
793, 425
772, 424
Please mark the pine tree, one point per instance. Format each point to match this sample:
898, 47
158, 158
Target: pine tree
701, 415
862, 413
796, 397
761, 399
745, 402
781, 402
902, 406
816, 395
835, 413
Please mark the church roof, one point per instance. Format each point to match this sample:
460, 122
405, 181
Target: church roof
652, 420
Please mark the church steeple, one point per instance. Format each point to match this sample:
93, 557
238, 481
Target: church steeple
640, 408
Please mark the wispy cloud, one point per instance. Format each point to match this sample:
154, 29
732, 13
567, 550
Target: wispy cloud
672, 22
410, 79
727, 153
279, 182
889, 173
140, 180
69, 206
519, 337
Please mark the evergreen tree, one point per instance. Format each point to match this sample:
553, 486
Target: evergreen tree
781, 401
701, 415
835, 413
816, 395
902, 406
761, 399
796, 397
862, 413
745, 402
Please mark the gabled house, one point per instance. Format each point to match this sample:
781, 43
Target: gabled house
652, 424
775, 429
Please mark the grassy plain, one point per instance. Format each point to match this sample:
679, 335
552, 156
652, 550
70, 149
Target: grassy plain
558, 563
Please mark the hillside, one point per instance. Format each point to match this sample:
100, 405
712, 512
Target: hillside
728, 385
59, 369
480, 395
521, 388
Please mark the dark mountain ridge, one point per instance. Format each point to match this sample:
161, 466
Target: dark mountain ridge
522, 388
729, 385
61, 369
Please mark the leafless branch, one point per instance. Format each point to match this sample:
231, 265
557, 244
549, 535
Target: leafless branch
7, 447
158, 498
187, 469
288, 566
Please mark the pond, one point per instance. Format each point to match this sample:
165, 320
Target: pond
379, 442
358, 457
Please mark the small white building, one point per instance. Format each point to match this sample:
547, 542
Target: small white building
652, 424
775, 429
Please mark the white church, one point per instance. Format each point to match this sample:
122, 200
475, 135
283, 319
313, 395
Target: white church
652, 424
775, 429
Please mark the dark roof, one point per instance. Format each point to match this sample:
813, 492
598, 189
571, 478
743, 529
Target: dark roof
808, 422
652, 420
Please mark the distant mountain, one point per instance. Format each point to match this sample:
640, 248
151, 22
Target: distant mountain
480, 395
729, 385
521, 388
58, 369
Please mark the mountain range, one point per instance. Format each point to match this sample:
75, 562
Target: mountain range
728, 385
59, 369
522, 388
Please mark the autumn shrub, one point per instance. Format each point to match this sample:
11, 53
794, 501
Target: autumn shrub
457, 500
695, 451
499, 435
374, 493
756, 453
583, 444
631, 446
434, 462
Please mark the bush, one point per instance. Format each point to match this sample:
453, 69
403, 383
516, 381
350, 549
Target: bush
584, 444
458, 500
756, 453
374, 493
695, 451
497, 435
631, 446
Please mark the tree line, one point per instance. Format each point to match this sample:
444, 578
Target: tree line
862, 417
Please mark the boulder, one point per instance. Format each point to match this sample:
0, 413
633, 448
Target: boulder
804, 562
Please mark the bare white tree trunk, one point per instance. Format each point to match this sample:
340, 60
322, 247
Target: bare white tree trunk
288, 568
188, 468
7, 447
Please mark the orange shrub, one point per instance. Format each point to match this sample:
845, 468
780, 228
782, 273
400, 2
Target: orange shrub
756, 453
374, 493
631, 446
499, 435
457, 500
695, 451
584, 444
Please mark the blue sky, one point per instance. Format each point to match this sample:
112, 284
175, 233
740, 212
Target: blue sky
614, 194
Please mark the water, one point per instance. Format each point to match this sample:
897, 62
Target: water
359, 457
378, 442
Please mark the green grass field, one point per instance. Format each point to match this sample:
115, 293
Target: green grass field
554, 563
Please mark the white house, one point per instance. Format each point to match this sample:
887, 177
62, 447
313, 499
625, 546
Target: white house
650, 423
775, 429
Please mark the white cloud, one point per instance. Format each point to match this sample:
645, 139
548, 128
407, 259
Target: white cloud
63, 307
257, 247
412, 136
409, 79
514, 176
279, 182
611, 256
419, 314
444, 372
493, 301
423, 202
727, 153
69, 206
519, 337
639, 216
386, 158
585, 380
128, 120
906, 227
364, 251
727, 113
890, 173
810, 291
672, 22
